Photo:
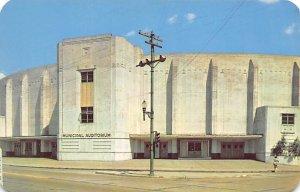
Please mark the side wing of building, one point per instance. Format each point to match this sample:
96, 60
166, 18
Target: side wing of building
29, 112
209, 105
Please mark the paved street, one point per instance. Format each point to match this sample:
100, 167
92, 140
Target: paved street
26, 179
39, 174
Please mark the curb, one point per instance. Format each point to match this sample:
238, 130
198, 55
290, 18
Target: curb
122, 171
141, 170
120, 174
127, 174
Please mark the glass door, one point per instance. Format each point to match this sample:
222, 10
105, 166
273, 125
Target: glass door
194, 149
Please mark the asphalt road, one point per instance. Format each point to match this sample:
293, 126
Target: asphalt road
18, 179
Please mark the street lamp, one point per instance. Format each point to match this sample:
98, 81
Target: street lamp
144, 106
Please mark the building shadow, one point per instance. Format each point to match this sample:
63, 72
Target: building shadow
295, 85
250, 105
169, 101
209, 94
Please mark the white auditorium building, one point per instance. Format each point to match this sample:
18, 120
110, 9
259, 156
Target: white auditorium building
87, 106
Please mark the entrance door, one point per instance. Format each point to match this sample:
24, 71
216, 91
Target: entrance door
28, 149
194, 149
232, 150
163, 150
17, 149
147, 150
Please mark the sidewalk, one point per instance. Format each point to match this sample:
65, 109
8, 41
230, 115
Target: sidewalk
163, 168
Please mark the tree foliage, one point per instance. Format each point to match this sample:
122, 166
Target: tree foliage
294, 148
280, 147
283, 148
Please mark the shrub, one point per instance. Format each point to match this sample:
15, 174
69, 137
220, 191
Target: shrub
294, 148
280, 147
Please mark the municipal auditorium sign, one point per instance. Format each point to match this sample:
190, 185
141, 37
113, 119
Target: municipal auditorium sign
86, 135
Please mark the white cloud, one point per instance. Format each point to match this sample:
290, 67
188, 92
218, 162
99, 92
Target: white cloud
190, 17
290, 29
269, 1
172, 19
2, 75
296, 2
2, 3
130, 33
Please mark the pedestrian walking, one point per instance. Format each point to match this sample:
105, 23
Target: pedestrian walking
275, 163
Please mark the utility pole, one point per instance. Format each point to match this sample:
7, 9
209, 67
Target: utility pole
151, 112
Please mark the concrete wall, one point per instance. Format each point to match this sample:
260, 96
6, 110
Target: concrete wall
75, 55
275, 130
268, 123
260, 127
22, 102
5, 146
2, 126
113, 61
126, 103
218, 93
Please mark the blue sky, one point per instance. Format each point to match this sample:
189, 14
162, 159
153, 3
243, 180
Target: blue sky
31, 29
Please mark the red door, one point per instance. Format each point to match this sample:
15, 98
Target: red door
147, 150
232, 150
163, 150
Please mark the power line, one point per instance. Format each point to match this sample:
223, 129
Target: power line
230, 16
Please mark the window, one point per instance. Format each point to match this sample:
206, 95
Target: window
87, 76
87, 96
87, 115
194, 146
288, 119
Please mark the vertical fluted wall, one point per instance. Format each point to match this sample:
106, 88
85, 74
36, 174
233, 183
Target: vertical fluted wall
214, 97
45, 103
251, 95
8, 112
295, 85
24, 107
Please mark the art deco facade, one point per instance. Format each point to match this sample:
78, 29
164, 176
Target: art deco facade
206, 106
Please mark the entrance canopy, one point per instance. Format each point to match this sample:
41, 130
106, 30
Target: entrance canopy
193, 136
28, 138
